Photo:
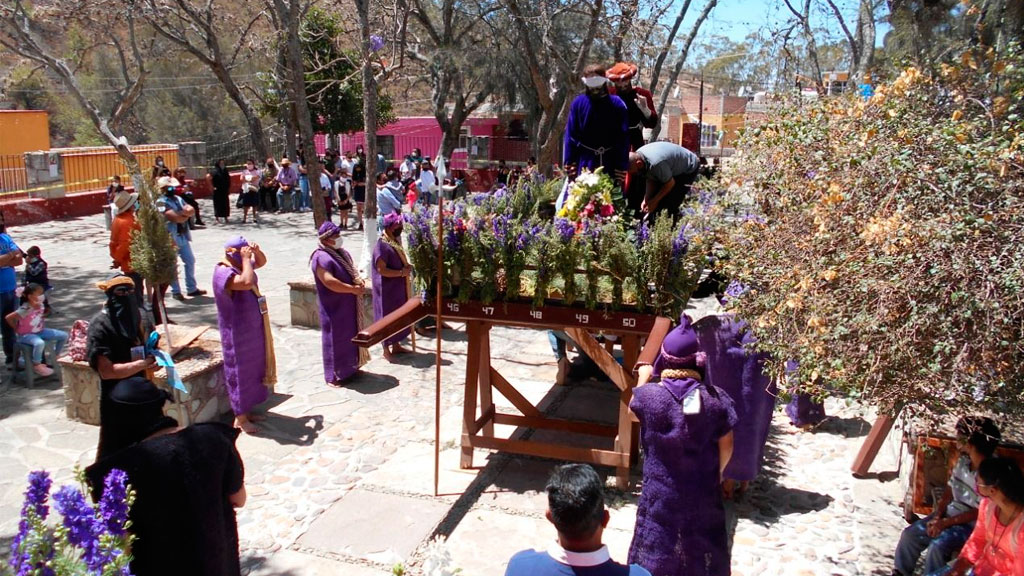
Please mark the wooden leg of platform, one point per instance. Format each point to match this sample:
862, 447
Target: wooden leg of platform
872, 444
630, 353
473, 331
486, 398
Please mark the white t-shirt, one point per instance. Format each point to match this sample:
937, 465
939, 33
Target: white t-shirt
406, 169
427, 180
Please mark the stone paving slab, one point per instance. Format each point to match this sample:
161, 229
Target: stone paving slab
375, 526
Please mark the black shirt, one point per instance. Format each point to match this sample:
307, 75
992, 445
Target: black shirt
182, 519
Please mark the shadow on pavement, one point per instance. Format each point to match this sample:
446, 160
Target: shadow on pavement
291, 430
855, 427
371, 383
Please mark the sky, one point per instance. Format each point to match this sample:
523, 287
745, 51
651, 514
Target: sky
737, 18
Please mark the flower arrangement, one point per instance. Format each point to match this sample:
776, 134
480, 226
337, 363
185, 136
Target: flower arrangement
497, 248
89, 541
590, 197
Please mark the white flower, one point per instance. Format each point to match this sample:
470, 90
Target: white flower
588, 179
438, 560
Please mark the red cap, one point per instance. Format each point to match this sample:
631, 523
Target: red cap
621, 71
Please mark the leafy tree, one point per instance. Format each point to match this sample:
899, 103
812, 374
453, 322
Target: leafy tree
333, 78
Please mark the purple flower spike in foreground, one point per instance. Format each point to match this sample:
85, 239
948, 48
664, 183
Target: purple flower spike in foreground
376, 43
114, 503
643, 234
566, 229
38, 492
80, 520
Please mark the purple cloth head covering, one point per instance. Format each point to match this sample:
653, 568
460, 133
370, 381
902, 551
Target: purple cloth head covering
232, 249
680, 349
391, 220
328, 230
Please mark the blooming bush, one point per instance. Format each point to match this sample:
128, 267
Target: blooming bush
89, 541
887, 255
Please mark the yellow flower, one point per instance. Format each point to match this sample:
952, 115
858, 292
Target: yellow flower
957, 115
829, 275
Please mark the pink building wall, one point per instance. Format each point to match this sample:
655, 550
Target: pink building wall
424, 133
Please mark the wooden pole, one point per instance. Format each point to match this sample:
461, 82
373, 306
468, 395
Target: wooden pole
437, 353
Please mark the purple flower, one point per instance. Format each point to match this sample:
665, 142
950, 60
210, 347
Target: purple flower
566, 229
500, 226
33, 511
83, 528
376, 43
643, 234
114, 503
680, 244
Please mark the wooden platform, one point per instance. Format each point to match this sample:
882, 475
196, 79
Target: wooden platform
632, 331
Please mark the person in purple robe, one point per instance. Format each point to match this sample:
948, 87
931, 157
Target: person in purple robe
738, 370
597, 132
249, 363
340, 291
390, 275
804, 411
686, 433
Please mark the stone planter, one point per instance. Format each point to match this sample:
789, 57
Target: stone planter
200, 366
304, 304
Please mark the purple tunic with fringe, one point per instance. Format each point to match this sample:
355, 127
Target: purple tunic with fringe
338, 321
803, 409
680, 520
243, 342
597, 124
388, 293
738, 371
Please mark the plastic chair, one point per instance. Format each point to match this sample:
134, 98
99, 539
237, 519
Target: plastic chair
25, 351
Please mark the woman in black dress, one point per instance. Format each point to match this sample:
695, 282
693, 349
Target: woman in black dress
220, 179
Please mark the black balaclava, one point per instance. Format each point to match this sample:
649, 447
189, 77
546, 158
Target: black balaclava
136, 412
124, 314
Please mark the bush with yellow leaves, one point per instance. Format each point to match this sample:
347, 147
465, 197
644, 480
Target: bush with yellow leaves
889, 259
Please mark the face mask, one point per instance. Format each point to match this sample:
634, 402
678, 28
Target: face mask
136, 205
124, 311
160, 163
170, 191
594, 81
398, 231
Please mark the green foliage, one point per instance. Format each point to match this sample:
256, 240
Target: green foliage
154, 254
333, 78
888, 260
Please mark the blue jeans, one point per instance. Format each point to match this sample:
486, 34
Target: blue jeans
914, 540
39, 339
303, 201
292, 200
8, 304
557, 339
189, 260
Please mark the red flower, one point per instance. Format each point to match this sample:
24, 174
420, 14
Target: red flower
607, 210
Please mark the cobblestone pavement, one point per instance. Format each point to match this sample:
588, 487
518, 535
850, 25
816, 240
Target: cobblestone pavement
341, 481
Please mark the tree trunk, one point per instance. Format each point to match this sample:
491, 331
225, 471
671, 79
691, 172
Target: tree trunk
866, 41
363, 8
683, 53
297, 92
259, 139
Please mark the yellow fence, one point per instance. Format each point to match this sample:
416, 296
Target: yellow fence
89, 168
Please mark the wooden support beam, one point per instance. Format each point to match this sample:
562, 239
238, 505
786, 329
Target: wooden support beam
469, 400
872, 444
545, 450
486, 398
407, 314
601, 357
513, 395
588, 428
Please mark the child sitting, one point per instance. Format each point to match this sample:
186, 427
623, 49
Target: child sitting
37, 271
27, 322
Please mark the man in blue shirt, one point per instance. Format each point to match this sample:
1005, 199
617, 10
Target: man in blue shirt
177, 213
576, 508
10, 256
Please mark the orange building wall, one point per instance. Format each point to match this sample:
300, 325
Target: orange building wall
24, 131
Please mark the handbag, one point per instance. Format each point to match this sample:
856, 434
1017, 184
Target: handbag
238, 203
